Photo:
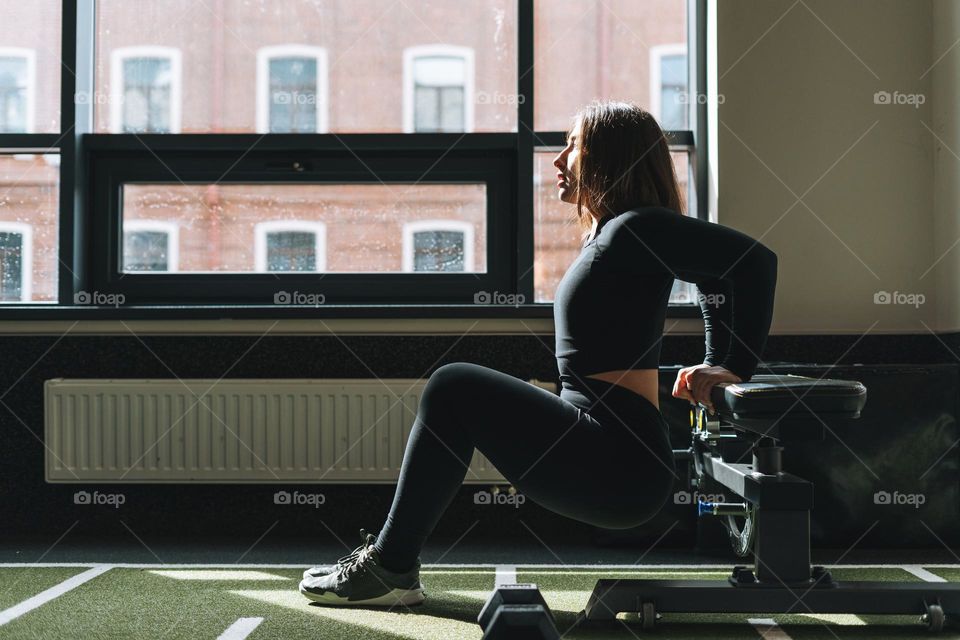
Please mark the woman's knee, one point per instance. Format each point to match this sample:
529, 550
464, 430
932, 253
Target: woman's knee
447, 388
453, 380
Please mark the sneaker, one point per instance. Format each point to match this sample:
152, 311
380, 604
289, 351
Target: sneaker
358, 579
324, 569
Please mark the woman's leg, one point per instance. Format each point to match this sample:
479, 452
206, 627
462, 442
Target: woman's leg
552, 450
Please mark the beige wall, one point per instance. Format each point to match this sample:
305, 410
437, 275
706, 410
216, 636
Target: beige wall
799, 114
946, 186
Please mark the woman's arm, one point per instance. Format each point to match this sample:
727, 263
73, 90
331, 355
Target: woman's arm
736, 274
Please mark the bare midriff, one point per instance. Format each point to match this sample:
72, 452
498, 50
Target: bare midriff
642, 381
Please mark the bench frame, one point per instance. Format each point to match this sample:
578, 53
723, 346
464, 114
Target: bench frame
777, 506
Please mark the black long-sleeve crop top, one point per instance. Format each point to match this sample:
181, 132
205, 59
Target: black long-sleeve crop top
610, 305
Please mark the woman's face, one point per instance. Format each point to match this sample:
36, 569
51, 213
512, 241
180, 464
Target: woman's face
566, 164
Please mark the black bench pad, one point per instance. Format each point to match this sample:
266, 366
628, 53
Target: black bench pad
775, 396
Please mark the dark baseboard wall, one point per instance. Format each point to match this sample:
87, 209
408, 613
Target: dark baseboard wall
905, 442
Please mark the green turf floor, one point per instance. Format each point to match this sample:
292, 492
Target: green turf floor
18, 584
175, 604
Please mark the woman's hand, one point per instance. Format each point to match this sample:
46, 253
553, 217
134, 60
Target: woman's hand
694, 383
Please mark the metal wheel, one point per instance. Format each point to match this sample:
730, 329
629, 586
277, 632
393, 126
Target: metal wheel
649, 621
934, 618
741, 538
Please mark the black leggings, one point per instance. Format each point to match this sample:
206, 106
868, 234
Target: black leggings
598, 452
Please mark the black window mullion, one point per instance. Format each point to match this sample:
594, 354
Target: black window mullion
697, 65
524, 232
76, 119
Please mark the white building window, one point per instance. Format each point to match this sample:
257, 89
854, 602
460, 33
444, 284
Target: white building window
150, 245
438, 86
16, 261
669, 97
17, 89
438, 245
290, 245
145, 88
292, 89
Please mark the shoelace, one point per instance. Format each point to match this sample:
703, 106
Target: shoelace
357, 560
353, 554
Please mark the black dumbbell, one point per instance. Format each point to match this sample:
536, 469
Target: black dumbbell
517, 611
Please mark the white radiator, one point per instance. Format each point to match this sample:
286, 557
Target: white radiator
234, 430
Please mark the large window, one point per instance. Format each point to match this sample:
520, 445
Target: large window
17, 89
291, 89
438, 89
388, 155
146, 90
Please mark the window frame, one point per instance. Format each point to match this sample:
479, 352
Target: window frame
172, 229
657, 54
410, 229
30, 57
410, 56
26, 255
85, 154
118, 82
261, 248
267, 53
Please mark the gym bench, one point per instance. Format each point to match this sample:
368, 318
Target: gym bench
759, 417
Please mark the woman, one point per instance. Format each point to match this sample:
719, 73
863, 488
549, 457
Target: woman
599, 452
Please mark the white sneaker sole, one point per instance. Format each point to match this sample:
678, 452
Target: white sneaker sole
405, 597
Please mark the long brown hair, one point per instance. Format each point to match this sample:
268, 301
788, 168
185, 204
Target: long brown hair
624, 162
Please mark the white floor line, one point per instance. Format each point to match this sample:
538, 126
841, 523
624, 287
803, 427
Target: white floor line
478, 565
506, 574
240, 629
768, 629
922, 573
55, 591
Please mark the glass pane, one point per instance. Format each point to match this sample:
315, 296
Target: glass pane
291, 251
617, 56
11, 266
146, 250
367, 227
438, 251
293, 95
28, 228
147, 94
557, 238
30, 66
363, 74
673, 92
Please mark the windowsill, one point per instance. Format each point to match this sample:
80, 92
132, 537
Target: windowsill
260, 320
